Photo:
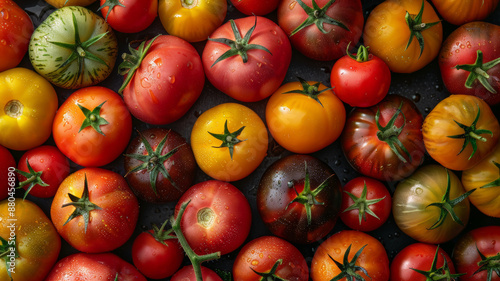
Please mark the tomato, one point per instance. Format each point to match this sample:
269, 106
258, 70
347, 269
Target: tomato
229, 141
470, 61
247, 58
360, 255
366, 204
92, 127
15, 33
360, 81
89, 267
321, 29
463, 11
73, 48
217, 218
165, 83
299, 198
187, 274
62, 3
41, 170
94, 210
119, 14
460, 131
191, 20
404, 49
431, 205
29, 244
485, 179
384, 141
255, 7
160, 165
29, 104
271, 256
7, 175
419, 262
309, 109
476, 254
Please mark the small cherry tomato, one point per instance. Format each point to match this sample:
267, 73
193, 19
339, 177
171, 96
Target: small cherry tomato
129, 16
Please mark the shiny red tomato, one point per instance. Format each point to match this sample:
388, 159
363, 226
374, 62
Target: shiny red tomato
129, 16
187, 274
7, 174
255, 7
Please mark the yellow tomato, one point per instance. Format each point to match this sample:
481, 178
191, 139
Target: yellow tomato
192, 20
63, 3
387, 34
458, 12
28, 104
229, 141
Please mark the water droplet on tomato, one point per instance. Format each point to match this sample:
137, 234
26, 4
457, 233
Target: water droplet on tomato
145, 83
292, 5
255, 262
158, 75
5, 14
189, 65
3, 42
419, 190
337, 251
171, 79
158, 62
42, 160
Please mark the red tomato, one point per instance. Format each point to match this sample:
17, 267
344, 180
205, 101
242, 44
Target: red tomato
7, 174
15, 33
187, 274
92, 127
360, 81
319, 39
255, 67
366, 204
167, 82
129, 16
41, 170
217, 218
255, 7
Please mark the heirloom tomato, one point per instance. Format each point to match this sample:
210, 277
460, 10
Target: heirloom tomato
15, 33
470, 61
29, 103
464, 11
94, 210
305, 116
247, 58
187, 274
7, 174
191, 20
384, 141
163, 79
350, 254
92, 127
61, 3
431, 206
255, 7
217, 218
460, 131
321, 29
229, 141
270, 258
299, 198
29, 243
118, 14
406, 34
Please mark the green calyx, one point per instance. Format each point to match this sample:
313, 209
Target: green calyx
471, 134
33, 178
6, 249
416, 27
317, 16
362, 54
495, 182
228, 139
93, 118
160, 234
153, 161
309, 90
271, 275
478, 71
111, 4
132, 61
442, 273
362, 204
446, 205
116, 276
82, 205
390, 134
348, 269
240, 46
488, 264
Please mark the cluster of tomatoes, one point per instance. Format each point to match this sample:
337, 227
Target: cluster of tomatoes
235, 162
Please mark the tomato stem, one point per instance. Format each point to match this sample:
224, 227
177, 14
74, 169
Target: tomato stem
14, 108
390, 134
318, 17
33, 178
111, 4
229, 139
442, 273
309, 90
488, 264
348, 268
495, 182
416, 27
478, 71
362, 204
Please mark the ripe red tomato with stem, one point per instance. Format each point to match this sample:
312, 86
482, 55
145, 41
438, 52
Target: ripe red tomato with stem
118, 14
7, 173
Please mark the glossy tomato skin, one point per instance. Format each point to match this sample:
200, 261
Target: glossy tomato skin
181, 166
108, 227
460, 12
53, 165
87, 267
167, 83
15, 33
62, 3
262, 253
417, 256
465, 252
317, 124
262, 74
373, 157
187, 274
310, 41
460, 48
255, 7
136, 16
7, 174
218, 217
289, 221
